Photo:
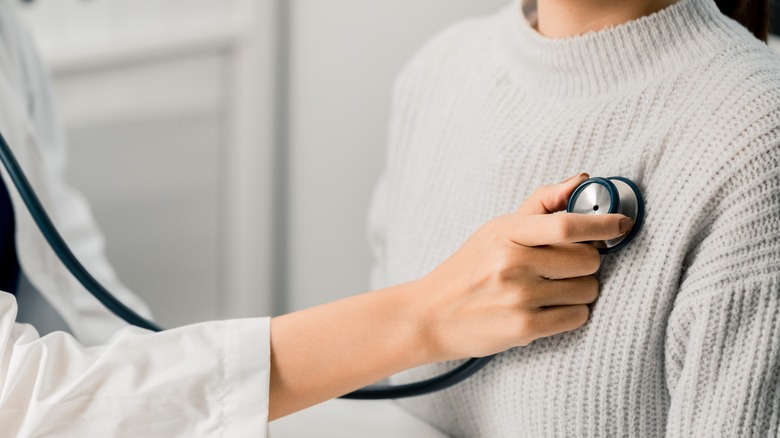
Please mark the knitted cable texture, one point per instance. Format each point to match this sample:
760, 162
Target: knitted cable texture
685, 337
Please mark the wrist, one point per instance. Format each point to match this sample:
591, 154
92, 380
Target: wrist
418, 310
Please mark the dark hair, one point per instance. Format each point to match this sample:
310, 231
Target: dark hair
753, 14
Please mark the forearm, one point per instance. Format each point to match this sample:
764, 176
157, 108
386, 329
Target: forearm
332, 349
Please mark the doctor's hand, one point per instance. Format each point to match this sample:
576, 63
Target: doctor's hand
519, 277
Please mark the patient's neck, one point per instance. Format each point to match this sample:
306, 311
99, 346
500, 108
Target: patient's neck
565, 18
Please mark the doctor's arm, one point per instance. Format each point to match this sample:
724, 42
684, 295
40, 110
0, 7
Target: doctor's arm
208, 379
518, 278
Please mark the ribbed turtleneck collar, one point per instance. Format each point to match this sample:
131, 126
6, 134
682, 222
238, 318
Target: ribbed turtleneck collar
612, 59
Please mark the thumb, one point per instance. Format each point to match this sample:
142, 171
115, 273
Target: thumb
549, 199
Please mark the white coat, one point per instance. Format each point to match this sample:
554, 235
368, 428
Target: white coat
107, 380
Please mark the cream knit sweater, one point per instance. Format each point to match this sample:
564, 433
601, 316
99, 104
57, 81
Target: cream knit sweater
685, 337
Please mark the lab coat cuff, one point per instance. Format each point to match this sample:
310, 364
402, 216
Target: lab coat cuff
247, 369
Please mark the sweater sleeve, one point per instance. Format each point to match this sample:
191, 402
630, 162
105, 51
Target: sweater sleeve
723, 335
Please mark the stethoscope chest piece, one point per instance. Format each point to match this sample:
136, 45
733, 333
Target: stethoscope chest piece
610, 196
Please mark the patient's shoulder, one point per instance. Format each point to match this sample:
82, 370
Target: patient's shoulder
746, 77
737, 95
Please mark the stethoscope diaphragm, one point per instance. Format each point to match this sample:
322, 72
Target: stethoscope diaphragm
613, 195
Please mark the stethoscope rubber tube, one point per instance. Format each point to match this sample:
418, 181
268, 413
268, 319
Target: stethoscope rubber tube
443, 381
61, 249
66, 256
422, 387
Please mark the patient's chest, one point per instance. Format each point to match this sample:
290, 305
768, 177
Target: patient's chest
606, 378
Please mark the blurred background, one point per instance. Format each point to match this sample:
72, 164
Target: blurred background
229, 148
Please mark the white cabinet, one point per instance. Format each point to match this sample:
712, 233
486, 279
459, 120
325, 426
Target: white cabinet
168, 106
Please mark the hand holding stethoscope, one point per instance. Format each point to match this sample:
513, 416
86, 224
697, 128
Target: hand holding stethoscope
521, 276
518, 278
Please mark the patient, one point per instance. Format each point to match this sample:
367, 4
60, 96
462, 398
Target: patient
685, 337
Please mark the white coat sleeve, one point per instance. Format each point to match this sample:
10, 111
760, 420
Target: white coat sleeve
203, 380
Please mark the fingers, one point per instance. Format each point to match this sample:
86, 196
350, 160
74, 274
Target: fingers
570, 260
541, 229
568, 292
561, 319
549, 199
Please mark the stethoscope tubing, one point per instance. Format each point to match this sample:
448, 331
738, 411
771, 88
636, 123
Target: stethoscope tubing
61, 249
66, 256
422, 387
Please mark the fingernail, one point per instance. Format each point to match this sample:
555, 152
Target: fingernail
625, 225
576, 176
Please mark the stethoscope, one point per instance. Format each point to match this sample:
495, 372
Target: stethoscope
593, 196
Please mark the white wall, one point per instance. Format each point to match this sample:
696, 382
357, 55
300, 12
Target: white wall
344, 57
169, 108
189, 83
